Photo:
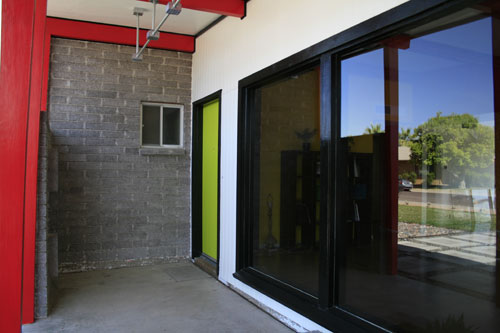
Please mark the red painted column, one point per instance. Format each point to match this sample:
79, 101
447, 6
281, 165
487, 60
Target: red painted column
391, 96
30, 201
15, 71
391, 91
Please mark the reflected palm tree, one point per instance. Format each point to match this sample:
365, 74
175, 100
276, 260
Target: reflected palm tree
374, 129
405, 134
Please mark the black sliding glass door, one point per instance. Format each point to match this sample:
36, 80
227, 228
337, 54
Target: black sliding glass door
366, 176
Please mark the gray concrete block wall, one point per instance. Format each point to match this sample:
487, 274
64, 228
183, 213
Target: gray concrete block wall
117, 204
46, 255
41, 269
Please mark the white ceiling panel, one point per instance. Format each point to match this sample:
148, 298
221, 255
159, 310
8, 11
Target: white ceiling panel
119, 12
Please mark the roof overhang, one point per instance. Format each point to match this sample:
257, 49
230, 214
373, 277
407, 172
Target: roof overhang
235, 8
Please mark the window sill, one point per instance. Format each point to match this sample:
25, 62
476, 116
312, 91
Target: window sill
161, 151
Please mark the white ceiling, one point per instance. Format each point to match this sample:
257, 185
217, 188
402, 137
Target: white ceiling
119, 12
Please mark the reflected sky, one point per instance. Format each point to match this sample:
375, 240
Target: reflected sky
448, 71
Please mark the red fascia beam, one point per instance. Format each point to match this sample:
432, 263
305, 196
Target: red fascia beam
235, 8
104, 33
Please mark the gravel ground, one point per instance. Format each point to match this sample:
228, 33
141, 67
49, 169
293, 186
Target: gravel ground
412, 230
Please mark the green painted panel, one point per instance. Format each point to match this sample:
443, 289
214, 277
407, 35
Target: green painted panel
210, 162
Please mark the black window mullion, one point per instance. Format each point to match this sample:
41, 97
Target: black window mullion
325, 266
255, 139
246, 169
335, 248
161, 125
254, 171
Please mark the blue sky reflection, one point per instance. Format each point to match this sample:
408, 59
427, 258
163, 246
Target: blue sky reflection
450, 71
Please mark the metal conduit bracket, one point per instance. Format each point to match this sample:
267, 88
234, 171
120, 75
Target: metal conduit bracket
173, 8
137, 12
151, 35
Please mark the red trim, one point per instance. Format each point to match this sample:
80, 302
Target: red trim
222, 7
30, 196
106, 34
117, 35
46, 70
18, 19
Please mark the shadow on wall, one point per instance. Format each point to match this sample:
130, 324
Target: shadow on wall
46, 261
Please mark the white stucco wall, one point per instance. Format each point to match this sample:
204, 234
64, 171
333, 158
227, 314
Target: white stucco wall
234, 49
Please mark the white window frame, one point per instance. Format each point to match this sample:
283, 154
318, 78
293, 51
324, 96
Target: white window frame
181, 124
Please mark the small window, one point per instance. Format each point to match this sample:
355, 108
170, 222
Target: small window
162, 125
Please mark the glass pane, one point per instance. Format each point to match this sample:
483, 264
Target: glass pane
150, 125
171, 126
418, 223
286, 181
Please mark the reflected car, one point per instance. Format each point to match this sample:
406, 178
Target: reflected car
404, 185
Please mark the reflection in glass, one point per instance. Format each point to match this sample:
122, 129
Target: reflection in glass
171, 126
363, 74
151, 124
419, 221
286, 184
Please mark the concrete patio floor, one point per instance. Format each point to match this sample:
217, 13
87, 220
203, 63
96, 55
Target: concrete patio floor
161, 298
